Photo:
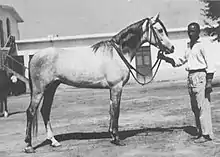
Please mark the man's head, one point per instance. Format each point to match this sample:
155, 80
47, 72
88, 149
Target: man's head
193, 31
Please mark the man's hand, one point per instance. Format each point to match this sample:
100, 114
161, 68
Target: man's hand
208, 87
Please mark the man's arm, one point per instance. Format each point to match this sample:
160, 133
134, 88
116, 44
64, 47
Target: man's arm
175, 62
209, 78
210, 68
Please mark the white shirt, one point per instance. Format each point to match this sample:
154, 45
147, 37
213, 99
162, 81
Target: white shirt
196, 58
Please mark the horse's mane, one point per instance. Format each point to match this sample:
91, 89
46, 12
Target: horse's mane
127, 33
105, 43
126, 37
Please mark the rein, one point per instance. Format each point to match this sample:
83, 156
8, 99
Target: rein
130, 67
158, 61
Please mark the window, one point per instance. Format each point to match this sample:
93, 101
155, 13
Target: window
143, 56
139, 60
8, 23
143, 62
146, 60
2, 34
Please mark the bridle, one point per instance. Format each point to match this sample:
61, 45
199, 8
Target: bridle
151, 31
158, 44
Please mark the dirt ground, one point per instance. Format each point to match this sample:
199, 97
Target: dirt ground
155, 121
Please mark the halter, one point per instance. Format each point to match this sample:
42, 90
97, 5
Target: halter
159, 45
151, 31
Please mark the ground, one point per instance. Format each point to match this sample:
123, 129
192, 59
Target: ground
155, 121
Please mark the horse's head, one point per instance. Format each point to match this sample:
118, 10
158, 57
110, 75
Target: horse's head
156, 34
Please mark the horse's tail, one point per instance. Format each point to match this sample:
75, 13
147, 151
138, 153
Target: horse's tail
35, 118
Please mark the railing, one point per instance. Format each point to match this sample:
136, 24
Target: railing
14, 64
10, 64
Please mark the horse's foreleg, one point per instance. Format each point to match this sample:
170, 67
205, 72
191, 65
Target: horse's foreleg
45, 111
5, 107
31, 113
115, 98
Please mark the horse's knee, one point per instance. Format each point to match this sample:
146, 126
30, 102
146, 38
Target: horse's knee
30, 112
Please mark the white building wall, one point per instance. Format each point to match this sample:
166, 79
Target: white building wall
166, 71
13, 24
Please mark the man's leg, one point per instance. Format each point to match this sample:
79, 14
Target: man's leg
206, 117
205, 113
196, 110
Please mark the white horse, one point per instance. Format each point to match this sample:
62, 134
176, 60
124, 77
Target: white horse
99, 66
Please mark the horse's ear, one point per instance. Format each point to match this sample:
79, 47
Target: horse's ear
158, 15
155, 17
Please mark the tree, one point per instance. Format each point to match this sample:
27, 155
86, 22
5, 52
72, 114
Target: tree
212, 12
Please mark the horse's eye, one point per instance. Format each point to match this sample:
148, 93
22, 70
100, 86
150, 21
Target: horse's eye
160, 30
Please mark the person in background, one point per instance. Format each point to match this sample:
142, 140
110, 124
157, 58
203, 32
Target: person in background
200, 74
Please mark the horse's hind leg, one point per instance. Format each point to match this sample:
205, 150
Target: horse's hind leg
46, 109
31, 113
115, 98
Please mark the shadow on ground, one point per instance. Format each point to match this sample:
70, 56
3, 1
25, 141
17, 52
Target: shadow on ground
123, 134
17, 112
12, 113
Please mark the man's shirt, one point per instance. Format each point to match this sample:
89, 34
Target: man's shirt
196, 58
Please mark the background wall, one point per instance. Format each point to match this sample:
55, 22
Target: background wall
166, 71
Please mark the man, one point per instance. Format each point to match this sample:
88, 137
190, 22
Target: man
200, 74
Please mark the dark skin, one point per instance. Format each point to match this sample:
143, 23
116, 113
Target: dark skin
193, 34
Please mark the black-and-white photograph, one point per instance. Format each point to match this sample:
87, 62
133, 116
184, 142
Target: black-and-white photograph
110, 78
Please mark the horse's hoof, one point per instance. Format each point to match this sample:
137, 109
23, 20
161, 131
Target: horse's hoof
118, 142
55, 144
5, 114
29, 150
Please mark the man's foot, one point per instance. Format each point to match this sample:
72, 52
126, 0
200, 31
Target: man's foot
203, 139
197, 137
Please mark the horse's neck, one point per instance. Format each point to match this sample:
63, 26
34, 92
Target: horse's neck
129, 53
133, 50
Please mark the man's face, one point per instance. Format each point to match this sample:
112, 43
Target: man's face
193, 32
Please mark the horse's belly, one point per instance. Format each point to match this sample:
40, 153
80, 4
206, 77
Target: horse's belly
84, 81
90, 76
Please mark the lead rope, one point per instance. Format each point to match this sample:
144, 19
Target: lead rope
130, 67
